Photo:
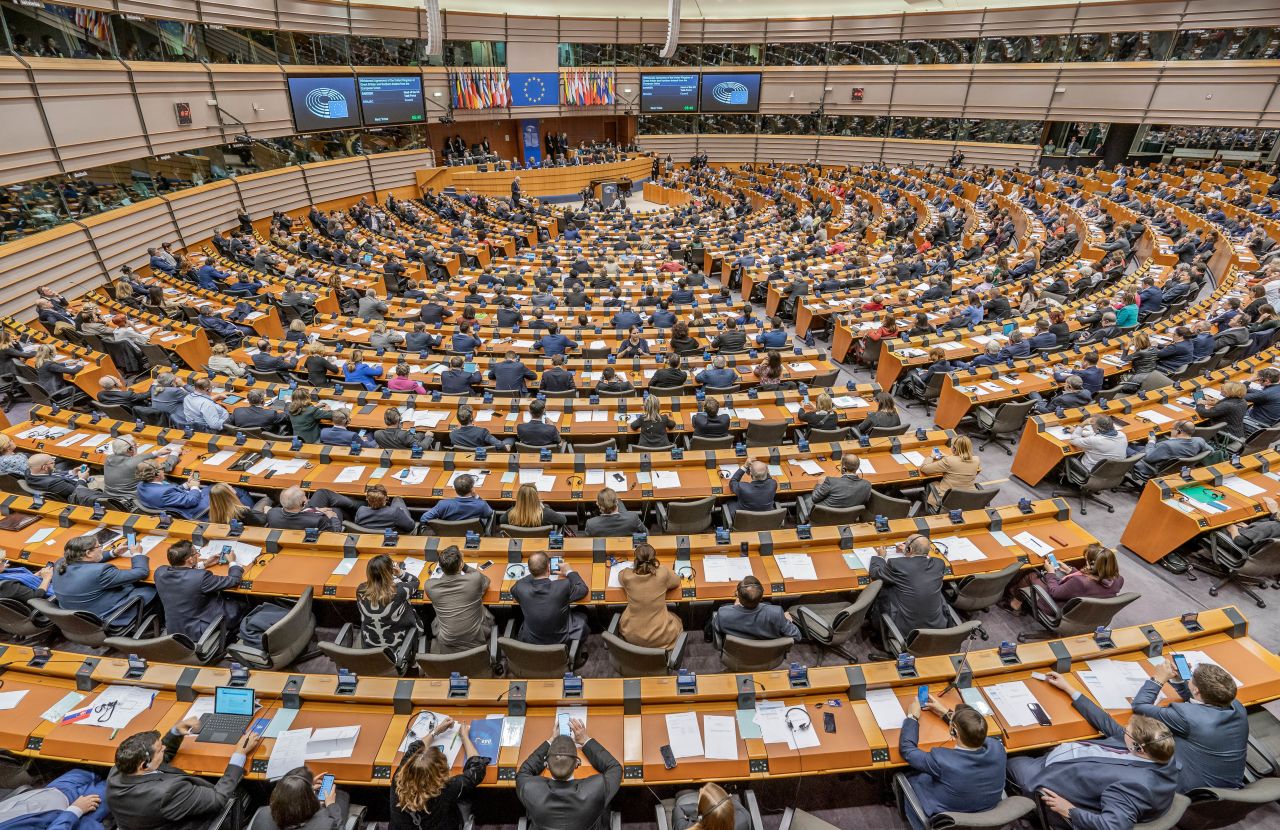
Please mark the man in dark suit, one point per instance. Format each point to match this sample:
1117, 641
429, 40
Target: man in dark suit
536, 432
467, 436
912, 593
192, 596
846, 490
566, 800
1128, 776
1210, 728
966, 779
557, 378
395, 436
751, 618
456, 380
72, 487
756, 493
433, 312
1264, 402
255, 415
671, 375
732, 339
146, 792
323, 510
545, 603
114, 394
265, 361
510, 375
614, 518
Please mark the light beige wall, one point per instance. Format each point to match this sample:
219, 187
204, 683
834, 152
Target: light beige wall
835, 149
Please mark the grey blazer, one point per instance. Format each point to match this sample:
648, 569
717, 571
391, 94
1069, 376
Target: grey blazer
461, 621
1212, 740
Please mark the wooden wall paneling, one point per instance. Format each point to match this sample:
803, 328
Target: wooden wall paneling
1221, 14
1119, 17
122, 236
312, 17
182, 10
877, 84
931, 91
159, 86
257, 95
474, 25
91, 111
61, 259
284, 189
332, 180
242, 12
25, 152
1104, 92
201, 212
1022, 91
385, 21
1229, 93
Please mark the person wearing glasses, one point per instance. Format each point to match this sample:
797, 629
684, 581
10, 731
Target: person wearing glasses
566, 799
912, 592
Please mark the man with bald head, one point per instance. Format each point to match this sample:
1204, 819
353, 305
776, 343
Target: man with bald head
545, 599
911, 595
754, 492
563, 800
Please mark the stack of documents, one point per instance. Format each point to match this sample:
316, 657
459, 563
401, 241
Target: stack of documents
725, 568
1113, 683
1013, 701
796, 565
960, 549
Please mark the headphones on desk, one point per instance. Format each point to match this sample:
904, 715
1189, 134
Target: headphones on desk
516, 570
802, 725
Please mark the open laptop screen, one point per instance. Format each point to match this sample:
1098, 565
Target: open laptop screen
230, 700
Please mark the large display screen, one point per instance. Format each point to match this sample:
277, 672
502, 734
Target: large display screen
730, 92
669, 92
323, 103
391, 99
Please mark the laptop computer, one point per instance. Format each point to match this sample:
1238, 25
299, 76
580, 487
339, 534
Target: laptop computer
233, 709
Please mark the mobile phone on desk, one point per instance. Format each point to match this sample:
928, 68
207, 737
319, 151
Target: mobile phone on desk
326, 786
260, 726
562, 725
668, 757
1041, 716
1183, 667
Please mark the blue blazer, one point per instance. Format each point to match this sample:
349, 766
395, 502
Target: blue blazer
174, 498
1211, 740
363, 374
72, 784
192, 599
98, 587
962, 780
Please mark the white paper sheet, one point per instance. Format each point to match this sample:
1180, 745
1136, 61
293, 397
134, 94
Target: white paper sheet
721, 741
1003, 538
350, 474
887, 708
1033, 543
129, 702
683, 735
725, 568
201, 706
218, 458
10, 700
666, 479
242, 554
333, 742
960, 549
412, 476
345, 566
1244, 488
1011, 700
288, 753
512, 731
1195, 658
796, 565
810, 467
773, 725
615, 572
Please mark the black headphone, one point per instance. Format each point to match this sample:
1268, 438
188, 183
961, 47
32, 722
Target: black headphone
714, 807
807, 723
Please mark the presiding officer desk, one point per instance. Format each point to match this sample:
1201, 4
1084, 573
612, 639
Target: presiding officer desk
281, 563
627, 716
562, 478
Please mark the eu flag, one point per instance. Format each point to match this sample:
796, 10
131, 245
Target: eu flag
534, 89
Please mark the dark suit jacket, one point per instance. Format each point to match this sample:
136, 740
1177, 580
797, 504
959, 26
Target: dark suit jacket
545, 605
395, 439
192, 598
912, 593
950, 779
538, 434
273, 363
622, 523
1211, 740
256, 416
582, 803
753, 495
168, 799
557, 379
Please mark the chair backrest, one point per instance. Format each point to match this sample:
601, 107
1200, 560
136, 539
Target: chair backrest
743, 655
981, 591
172, 648
21, 622
891, 507
527, 660
270, 377
1263, 562
1212, 807
474, 662
887, 432
934, 387
1010, 810
759, 519
559, 393
77, 626
1171, 817
115, 411
666, 391
520, 446
703, 442
828, 436
958, 499
445, 527
1084, 614
928, 642
597, 446
624, 393
289, 637
721, 390
634, 661
825, 516
378, 662
687, 517
1261, 440
1010, 417
515, 532
1110, 473
826, 380
849, 621
766, 433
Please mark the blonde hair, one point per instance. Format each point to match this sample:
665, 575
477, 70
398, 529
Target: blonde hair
527, 511
823, 403
420, 778
1234, 389
6, 444
651, 411
962, 446
224, 505
220, 348
45, 354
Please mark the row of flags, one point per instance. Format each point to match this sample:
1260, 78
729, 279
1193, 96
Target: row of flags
479, 89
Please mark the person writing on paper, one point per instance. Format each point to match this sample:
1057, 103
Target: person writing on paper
423, 794
72, 801
566, 800
1099, 579
1128, 776
709, 808
295, 805
462, 621
83, 581
192, 595
968, 778
146, 792
1210, 728
750, 618
546, 603
386, 617
912, 592
646, 621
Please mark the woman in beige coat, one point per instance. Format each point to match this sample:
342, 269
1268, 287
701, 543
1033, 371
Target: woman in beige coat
958, 470
646, 620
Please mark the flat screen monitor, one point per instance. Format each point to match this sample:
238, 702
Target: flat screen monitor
730, 92
391, 99
323, 102
669, 92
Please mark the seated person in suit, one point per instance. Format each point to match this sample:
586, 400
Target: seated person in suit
72, 801
1181, 443
709, 808
711, 422
265, 361
324, 510
418, 340
756, 493
192, 595
146, 792
718, 375
912, 592
467, 436
614, 518
536, 432
114, 393
1249, 536
380, 512
463, 506
1210, 728
1128, 776
751, 618
1073, 394
670, 375
557, 378
966, 779
82, 581
395, 436
568, 799
611, 380
456, 380
845, 490
188, 500
510, 375
72, 486
732, 339
338, 433
545, 603
256, 415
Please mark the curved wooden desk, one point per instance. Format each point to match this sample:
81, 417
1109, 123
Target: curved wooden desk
552, 181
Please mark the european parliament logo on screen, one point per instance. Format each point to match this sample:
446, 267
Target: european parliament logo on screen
534, 89
730, 92
323, 103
